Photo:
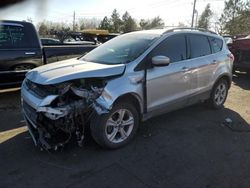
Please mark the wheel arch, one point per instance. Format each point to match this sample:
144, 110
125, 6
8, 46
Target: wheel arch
226, 77
134, 99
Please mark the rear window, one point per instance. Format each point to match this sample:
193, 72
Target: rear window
13, 37
216, 44
199, 45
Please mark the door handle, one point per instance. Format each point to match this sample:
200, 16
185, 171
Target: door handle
185, 69
30, 53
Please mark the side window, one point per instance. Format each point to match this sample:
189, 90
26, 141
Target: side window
12, 37
216, 44
5, 37
199, 45
173, 47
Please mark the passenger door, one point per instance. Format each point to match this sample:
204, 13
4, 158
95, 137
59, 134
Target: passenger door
169, 86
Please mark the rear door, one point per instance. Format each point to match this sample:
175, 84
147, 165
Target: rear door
202, 62
19, 50
168, 86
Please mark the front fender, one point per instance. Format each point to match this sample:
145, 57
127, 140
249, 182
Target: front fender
128, 84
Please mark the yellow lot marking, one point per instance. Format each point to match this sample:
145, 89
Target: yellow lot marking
6, 135
9, 90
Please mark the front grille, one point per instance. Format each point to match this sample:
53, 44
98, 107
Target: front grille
30, 112
39, 90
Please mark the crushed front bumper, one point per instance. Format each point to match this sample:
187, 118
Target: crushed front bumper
30, 105
53, 127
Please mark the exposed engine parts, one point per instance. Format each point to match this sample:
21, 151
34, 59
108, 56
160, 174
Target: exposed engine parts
64, 116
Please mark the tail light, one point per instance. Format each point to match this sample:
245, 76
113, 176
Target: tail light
231, 57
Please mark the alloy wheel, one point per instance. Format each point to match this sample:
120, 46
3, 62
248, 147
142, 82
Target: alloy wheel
220, 94
119, 126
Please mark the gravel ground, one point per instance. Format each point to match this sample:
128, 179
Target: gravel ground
191, 147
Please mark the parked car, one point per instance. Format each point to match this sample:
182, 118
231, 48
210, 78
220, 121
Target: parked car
130, 78
241, 50
72, 41
21, 50
50, 41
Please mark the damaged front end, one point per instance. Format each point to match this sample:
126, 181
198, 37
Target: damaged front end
64, 111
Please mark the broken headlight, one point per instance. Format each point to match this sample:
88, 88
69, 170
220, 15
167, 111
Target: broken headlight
84, 88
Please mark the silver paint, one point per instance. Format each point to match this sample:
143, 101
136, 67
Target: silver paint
169, 87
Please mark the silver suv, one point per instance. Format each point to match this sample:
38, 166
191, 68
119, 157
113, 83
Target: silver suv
130, 78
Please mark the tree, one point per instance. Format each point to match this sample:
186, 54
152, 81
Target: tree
43, 29
204, 20
116, 22
242, 23
88, 23
144, 24
128, 24
60, 30
82, 26
105, 24
234, 15
156, 22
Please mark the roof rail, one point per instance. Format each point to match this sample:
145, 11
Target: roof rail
190, 28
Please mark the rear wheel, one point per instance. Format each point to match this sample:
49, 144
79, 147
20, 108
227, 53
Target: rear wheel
117, 128
219, 94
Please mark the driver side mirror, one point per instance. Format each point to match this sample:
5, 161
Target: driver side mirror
160, 60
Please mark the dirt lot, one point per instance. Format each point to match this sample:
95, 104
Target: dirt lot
186, 148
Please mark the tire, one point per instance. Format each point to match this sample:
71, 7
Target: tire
110, 130
219, 94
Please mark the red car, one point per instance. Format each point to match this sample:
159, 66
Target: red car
241, 51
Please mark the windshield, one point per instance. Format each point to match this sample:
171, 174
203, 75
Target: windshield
122, 49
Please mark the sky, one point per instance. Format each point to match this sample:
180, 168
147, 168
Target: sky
171, 11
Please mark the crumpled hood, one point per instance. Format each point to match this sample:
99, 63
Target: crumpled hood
70, 70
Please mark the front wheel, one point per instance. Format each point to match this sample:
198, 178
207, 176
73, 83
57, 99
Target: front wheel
219, 94
117, 128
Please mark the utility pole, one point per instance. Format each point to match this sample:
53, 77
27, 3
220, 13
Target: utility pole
192, 25
74, 20
196, 20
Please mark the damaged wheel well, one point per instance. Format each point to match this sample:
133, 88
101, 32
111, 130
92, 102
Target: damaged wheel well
131, 98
